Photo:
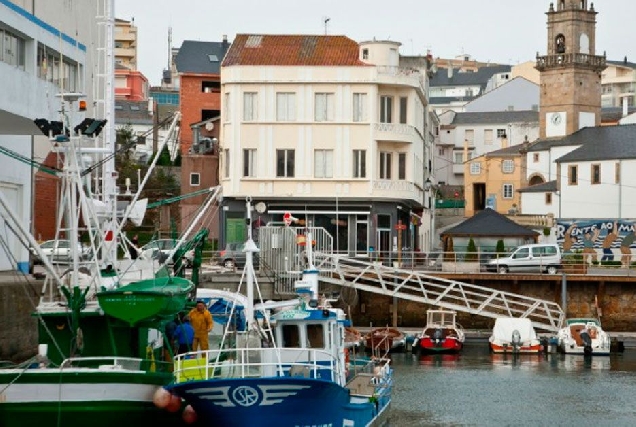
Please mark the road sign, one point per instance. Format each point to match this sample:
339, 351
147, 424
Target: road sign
287, 218
400, 226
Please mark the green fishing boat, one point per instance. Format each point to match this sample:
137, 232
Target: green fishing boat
151, 300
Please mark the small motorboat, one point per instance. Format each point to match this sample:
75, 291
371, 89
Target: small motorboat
353, 337
384, 340
514, 335
584, 336
441, 333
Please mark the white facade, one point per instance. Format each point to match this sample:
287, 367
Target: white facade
608, 198
41, 54
469, 140
334, 118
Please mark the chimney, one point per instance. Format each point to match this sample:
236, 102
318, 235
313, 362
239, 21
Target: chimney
450, 71
225, 44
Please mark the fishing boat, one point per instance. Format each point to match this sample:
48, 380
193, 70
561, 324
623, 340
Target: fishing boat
380, 341
584, 336
442, 334
288, 371
101, 319
514, 335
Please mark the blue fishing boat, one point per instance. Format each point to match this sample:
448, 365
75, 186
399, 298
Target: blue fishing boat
290, 368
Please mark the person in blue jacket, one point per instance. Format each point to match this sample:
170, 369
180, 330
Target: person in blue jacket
184, 335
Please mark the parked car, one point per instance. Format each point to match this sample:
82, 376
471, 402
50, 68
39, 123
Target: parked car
60, 251
537, 258
234, 255
158, 249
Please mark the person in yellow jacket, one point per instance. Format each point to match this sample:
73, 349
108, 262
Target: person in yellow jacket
201, 321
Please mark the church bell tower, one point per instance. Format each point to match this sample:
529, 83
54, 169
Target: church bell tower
570, 73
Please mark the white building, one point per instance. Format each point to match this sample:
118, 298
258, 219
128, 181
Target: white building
42, 53
464, 136
334, 132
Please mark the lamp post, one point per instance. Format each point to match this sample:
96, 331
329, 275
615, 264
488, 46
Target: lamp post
428, 185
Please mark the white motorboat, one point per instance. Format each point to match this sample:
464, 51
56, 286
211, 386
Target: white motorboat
514, 335
584, 336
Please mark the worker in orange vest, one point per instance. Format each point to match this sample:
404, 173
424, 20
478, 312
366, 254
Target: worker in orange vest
201, 321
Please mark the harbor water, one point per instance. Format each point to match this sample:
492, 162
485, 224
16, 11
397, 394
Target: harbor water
477, 388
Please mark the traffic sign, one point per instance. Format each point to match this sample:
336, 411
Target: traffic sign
400, 226
287, 218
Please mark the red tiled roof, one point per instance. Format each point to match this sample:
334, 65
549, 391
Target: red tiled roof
257, 49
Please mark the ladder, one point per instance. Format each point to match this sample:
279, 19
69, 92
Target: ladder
426, 289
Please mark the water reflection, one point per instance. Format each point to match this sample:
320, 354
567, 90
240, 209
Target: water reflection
505, 389
438, 360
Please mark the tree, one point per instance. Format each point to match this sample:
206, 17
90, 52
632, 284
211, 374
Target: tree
471, 251
500, 249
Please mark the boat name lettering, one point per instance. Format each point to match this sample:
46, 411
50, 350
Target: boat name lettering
293, 314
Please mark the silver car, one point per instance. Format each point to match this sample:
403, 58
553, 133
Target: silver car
60, 251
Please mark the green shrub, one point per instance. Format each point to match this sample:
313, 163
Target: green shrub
471, 251
500, 249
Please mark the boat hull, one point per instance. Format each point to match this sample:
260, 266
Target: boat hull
448, 345
281, 402
49, 397
510, 349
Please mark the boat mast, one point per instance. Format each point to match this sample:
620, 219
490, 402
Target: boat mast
105, 109
250, 248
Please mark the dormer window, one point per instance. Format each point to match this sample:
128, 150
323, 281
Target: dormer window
365, 53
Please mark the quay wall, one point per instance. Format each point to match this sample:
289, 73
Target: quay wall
18, 328
616, 298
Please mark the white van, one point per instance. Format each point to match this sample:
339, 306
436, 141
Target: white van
542, 258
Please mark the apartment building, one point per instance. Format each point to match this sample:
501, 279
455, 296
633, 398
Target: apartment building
334, 132
126, 43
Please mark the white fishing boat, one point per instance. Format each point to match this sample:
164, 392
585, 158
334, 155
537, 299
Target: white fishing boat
514, 335
584, 336
288, 371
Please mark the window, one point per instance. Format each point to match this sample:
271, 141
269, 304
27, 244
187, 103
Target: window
210, 87
596, 174
195, 179
573, 178
226, 107
291, 336
617, 173
508, 191
475, 168
535, 157
359, 163
249, 162
403, 109
360, 107
323, 108
488, 136
385, 165
548, 198
469, 137
508, 166
386, 107
285, 163
365, 53
285, 106
441, 151
501, 133
458, 158
323, 163
402, 166
249, 106
226, 168
12, 50
315, 336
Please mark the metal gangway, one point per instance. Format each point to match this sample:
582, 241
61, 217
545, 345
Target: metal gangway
421, 287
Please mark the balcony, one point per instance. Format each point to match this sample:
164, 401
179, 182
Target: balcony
396, 132
400, 76
582, 60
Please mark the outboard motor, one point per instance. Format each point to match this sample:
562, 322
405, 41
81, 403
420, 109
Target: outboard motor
438, 336
587, 342
516, 341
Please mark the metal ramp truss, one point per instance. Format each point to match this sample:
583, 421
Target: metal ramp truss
435, 291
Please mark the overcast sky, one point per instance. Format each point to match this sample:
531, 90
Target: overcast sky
504, 31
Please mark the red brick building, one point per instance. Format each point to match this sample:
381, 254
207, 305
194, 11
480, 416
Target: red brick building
131, 85
199, 67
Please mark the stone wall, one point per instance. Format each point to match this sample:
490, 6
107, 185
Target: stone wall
18, 328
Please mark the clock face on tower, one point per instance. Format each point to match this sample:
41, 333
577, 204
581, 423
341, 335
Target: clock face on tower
556, 119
